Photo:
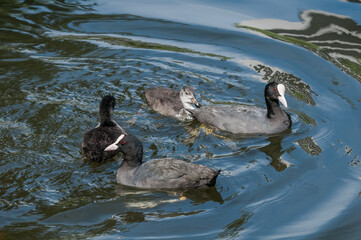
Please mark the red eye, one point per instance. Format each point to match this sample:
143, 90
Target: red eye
124, 142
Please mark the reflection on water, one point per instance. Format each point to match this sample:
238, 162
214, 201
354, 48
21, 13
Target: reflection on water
129, 217
233, 229
118, 41
59, 57
352, 159
129, 202
354, 1
309, 146
336, 38
274, 151
294, 85
197, 196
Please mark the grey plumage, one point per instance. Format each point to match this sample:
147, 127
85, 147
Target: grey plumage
171, 173
170, 102
159, 173
248, 119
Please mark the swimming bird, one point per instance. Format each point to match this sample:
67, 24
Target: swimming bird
97, 139
159, 173
172, 103
247, 119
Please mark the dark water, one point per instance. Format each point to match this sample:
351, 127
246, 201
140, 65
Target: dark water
58, 58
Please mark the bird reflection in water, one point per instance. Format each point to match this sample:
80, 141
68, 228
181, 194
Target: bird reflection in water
149, 198
274, 151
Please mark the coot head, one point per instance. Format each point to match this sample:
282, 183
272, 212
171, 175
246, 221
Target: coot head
276, 92
107, 103
187, 97
127, 144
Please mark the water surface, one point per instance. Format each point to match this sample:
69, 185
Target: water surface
58, 58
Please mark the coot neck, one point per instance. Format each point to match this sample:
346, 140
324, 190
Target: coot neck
187, 105
273, 108
106, 118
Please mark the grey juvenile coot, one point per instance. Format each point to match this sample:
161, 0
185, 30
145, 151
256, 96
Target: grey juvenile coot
107, 132
171, 102
158, 173
249, 119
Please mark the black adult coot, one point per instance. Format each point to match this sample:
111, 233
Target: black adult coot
107, 132
249, 119
172, 103
158, 173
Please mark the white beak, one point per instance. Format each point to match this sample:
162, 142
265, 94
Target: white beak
114, 145
281, 90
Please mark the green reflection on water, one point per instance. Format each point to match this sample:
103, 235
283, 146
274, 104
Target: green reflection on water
352, 66
333, 37
289, 39
309, 146
127, 42
234, 228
